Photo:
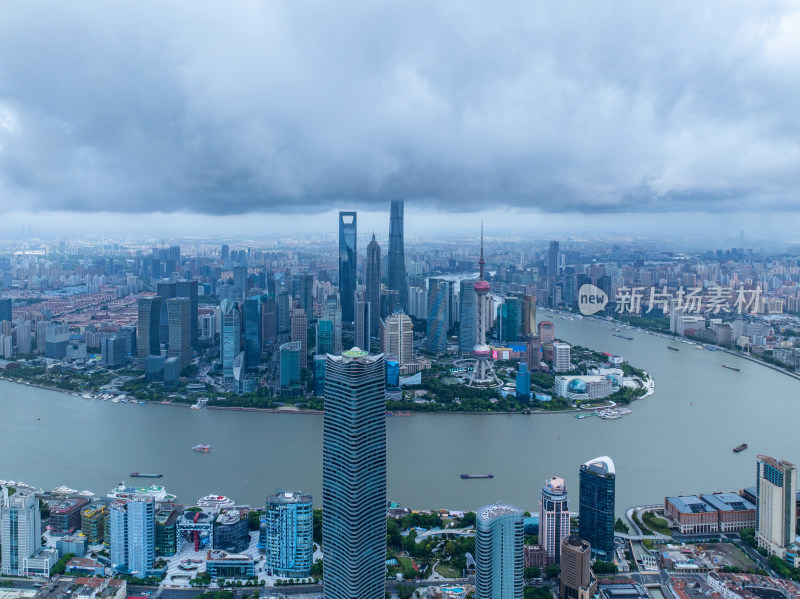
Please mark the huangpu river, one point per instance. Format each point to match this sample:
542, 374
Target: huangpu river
678, 441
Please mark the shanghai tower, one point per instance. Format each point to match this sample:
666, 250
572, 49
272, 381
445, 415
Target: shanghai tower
397, 258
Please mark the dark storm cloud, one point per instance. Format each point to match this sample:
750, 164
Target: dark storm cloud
232, 107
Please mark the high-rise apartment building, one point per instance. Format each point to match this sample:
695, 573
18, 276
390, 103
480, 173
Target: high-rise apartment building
553, 517
499, 552
180, 330
596, 507
576, 579
396, 274
562, 357
21, 552
289, 542
348, 256
148, 327
354, 476
398, 337
776, 488
133, 534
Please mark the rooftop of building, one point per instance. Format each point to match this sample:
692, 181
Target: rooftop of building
220, 555
776, 462
289, 497
555, 486
728, 502
690, 504
602, 465
495, 510
69, 505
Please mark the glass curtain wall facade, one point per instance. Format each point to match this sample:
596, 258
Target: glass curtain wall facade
596, 508
348, 253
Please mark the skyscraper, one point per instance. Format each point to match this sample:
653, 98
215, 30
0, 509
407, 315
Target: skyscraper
776, 487
397, 260
188, 289
348, 256
253, 329
552, 259
166, 290
361, 323
398, 337
333, 312
372, 293
576, 580
468, 316
354, 476
133, 535
300, 334
307, 295
596, 508
290, 364
324, 337
5, 310
180, 330
147, 329
437, 315
289, 542
498, 552
21, 535
553, 517
229, 338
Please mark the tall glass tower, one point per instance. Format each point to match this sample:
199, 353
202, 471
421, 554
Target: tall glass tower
354, 476
289, 542
229, 339
596, 509
438, 305
372, 293
348, 254
253, 330
397, 257
498, 552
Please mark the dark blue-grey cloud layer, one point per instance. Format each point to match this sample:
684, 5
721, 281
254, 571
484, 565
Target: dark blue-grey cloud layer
232, 107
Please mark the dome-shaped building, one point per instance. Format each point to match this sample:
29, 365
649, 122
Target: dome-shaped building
577, 386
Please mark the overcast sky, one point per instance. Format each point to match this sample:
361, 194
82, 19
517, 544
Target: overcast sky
583, 108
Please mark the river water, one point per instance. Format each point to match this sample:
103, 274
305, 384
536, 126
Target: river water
679, 440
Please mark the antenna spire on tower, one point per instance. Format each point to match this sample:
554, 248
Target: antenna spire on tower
481, 262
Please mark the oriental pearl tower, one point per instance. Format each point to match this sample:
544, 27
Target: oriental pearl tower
483, 372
